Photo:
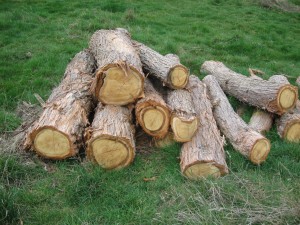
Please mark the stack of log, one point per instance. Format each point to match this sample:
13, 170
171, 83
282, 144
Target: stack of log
118, 82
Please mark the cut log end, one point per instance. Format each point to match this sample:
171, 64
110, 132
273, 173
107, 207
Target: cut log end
110, 154
287, 97
179, 77
154, 118
292, 131
260, 151
202, 170
120, 86
183, 129
51, 143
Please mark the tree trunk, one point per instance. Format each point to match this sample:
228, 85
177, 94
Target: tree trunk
288, 125
58, 133
119, 79
152, 112
261, 121
204, 155
248, 142
111, 137
167, 141
272, 96
184, 121
166, 68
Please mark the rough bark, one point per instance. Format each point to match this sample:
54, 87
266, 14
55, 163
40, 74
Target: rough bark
110, 139
166, 68
204, 155
184, 121
261, 121
245, 140
58, 133
119, 79
152, 112
269, 95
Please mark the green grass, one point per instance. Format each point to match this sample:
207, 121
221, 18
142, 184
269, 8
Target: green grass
37, 40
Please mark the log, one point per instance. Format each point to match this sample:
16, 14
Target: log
119, 78
152, 112
298, 81
110, 139
261, 121
288, 125
166, 68
58, 133
245, 140
204, 155
184, 121
269, 95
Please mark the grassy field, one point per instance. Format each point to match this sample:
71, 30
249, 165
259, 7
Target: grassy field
38, 39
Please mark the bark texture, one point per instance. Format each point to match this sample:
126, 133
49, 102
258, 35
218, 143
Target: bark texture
111, 137
58, 133
204, 155
269, 95
166, 68
248, 142
152, 112
119, 79
261, 121
184, 121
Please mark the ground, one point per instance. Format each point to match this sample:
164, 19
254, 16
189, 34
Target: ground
38, 39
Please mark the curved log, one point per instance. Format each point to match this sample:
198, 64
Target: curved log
245, 140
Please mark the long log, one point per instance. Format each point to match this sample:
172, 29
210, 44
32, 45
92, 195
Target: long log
245, 140
184, 121
152, 112
261, 121
204, 155
167, 69
269, 95
110, 139
58, 133
288, 125
119, 78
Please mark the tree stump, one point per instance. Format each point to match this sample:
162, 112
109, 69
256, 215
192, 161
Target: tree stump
269, 95
110, 139
119, 79
184, 121
204, 155
166, 68
152, 112
58, 133
248, 142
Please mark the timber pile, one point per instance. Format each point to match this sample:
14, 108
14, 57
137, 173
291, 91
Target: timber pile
104, 95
